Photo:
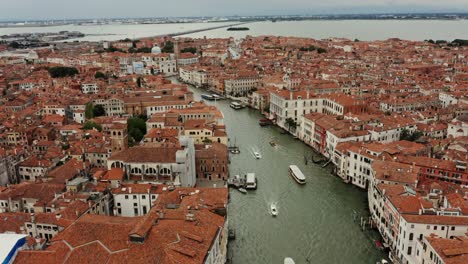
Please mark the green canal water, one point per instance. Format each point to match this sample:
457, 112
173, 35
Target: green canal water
315, 221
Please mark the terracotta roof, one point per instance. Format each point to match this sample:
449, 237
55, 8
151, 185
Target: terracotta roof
143, 154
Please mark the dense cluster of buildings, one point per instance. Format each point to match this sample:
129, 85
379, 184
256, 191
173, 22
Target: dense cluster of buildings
106, 162
110, 161
391, 116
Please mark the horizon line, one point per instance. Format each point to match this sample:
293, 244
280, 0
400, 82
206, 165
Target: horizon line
463, 13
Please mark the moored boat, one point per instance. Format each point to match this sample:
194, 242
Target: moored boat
297, 174
250, 181
236, 105
265, 122
207, 97
242, 190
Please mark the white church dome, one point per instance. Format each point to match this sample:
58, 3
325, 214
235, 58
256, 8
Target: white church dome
156, 49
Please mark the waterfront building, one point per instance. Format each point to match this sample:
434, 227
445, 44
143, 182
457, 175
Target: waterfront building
212, 161
241, 84
404, 218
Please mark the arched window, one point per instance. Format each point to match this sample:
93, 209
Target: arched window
117, 164
150, 171
165, 171
136, 170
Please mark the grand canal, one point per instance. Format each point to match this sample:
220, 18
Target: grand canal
315, 221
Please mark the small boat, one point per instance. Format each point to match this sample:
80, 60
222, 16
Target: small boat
217, 97
272, 143
273, 210
297, 174
236, 105
207, 97
257, 155
242, 190
289, 261
234, 151
231, 234
265, 122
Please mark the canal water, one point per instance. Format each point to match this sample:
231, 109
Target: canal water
315, 221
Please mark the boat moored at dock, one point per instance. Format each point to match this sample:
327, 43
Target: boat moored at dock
265, 122
250, 181
297, 174
207, 97
236, 105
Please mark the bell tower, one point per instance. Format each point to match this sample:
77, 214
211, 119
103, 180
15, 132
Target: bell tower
119, 137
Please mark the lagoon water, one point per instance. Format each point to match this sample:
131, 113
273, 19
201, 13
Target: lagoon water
318, 29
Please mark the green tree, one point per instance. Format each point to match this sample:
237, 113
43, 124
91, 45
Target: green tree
310, 48
460, 42
100, 75
405, 134
144, 50
89, 113
90, 125
14, 45
136, 129
408, 136
60, 71
168, 47
192, 50
4, 92
321, 50
98, 110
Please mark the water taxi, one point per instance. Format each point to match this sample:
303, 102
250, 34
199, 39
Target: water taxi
297, 174
250, 181
217, 97
289, 261
236, 105
257, 155
273, 210
234, 151
207, 97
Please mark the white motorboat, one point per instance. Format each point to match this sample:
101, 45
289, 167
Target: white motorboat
289, 260
273, 209
297, 174
250, 181
257, 155
236, 105
242, 190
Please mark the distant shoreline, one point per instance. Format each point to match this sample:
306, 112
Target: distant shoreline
85, 22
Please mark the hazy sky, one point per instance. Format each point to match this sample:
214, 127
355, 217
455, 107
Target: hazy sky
57, 9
